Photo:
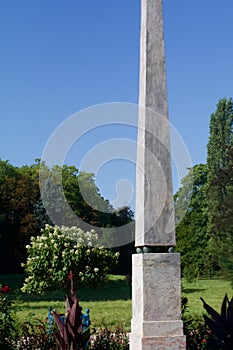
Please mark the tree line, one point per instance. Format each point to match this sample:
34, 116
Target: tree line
203, 207
22, 212
204, 204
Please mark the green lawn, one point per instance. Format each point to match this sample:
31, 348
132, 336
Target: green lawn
212, 291
111, 304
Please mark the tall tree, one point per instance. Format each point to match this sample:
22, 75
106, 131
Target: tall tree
219, 147
22, 211
18, 193
191, 220
225, 244
6, 171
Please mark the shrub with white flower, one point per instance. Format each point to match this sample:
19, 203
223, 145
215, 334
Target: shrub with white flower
59, 250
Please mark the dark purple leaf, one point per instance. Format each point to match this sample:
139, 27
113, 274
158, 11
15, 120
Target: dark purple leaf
214, 314
230, 316
68, 338
224, 310
79, 329
60, 341
59, 323
73, 314
69, 328
84, 337
73, 296
78, 319
69, 303
217, 329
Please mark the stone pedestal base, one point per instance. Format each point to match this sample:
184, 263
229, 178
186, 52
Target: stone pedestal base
156, 298
157, 343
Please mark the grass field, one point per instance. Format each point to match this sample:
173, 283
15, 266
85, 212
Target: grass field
111, 304
212, 291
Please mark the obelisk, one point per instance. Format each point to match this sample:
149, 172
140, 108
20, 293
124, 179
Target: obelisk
156, 281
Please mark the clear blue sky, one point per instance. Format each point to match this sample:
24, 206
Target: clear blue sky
58, 57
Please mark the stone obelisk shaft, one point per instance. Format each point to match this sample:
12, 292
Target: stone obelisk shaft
156, 287
153, 87
154, 196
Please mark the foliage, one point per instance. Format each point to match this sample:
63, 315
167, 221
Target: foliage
109, 304
198, 337
221, 324
18, 193
191, 219
225, 243
70, 335
7, 323
226, 257
82, 195
23, 214
219, 145
203, 205
57, 251
33, 335
105, 339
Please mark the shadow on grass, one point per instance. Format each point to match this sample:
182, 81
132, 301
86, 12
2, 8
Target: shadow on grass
117, 289
193, 290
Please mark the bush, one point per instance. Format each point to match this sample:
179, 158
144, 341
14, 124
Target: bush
221, 325
105, 339
34, 336
60, 249
198, 337
7, 323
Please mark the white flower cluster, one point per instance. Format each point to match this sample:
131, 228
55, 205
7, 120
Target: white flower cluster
52, 254
89, 238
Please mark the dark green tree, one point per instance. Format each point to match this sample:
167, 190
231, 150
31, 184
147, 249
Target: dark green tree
218, 186
23, 212
225, 243
18, 193
191, 219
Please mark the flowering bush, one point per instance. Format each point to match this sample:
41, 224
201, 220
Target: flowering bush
106, 339
33, 336
61, 249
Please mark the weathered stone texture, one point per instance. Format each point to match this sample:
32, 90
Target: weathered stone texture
158, 343
156, 291
154, 204
156, 299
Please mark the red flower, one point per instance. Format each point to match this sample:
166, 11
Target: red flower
5, 289
204, 340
